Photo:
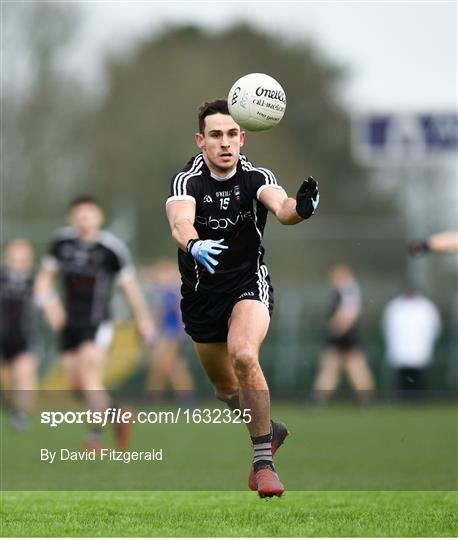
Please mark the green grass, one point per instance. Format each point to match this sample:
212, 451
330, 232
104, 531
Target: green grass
236, 514
336, 448
383, 471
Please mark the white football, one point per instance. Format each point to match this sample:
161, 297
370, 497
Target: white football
257, 102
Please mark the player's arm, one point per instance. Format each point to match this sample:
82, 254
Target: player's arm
134, 296
445, 242
343, 319
290, 211
47, 300
282, 207
181, 216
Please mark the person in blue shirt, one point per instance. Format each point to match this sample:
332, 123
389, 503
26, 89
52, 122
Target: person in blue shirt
168, 369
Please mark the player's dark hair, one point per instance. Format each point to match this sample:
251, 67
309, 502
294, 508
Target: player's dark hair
211, 107
83, 199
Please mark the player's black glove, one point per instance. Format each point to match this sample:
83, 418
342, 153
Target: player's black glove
418, 247
307, 198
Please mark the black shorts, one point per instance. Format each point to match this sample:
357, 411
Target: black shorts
14, 345
344, 342
74, 336
206, 316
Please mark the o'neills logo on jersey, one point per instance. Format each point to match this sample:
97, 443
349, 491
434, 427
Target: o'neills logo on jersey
271, 94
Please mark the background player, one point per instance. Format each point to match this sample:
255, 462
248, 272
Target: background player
89, 261
168, 367
217, 211
18, 369
342, 352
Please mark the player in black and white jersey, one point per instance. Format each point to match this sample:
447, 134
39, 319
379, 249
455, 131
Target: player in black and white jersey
89, 261
343, 352
217, 211
18, 363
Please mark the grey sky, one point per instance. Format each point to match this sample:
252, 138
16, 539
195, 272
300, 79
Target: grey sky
401, 55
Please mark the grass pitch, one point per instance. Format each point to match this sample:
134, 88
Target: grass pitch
337, 466
210, 514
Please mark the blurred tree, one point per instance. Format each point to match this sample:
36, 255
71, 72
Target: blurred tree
45, 112
126, 145
143, 132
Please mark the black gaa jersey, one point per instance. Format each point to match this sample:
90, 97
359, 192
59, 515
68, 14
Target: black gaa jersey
16, 304
225, 208
88, 271
347, 297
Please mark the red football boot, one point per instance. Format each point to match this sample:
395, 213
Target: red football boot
279, 434
268, 483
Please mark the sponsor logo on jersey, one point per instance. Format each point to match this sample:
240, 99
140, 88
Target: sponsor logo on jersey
208, 199
223, 223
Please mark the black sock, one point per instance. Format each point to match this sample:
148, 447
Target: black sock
262, 446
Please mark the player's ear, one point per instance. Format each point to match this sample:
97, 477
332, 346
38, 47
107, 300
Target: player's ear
200, 140
242, 138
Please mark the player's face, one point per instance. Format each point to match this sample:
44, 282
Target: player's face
19, 256
339, 276
220, 143
87, 218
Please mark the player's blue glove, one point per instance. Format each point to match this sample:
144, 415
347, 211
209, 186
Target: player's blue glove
202, 251
307, 198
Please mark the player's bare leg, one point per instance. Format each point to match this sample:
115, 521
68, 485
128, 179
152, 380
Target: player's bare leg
5, 376
19, 379
327, 379
25, 382
168, 366
84, 372
220, 370
248, 327
159, 372
180, 376
92, 358
69, 361
214, 358
359, 375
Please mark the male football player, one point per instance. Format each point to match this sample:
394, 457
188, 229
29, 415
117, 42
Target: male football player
18, 363
217, 211
89, 260
343, 352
